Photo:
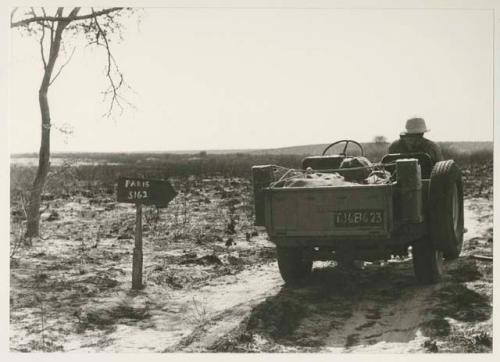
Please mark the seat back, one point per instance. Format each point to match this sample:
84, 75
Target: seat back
331, 162
424, 160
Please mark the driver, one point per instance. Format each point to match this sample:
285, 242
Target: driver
413, 140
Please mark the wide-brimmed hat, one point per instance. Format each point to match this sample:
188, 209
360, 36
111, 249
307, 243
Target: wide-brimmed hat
415, 126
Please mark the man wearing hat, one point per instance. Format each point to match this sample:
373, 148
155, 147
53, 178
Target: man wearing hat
413, 140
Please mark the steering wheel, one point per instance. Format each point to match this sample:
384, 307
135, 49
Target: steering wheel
345, 147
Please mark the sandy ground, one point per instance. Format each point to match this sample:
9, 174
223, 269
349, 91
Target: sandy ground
212, 284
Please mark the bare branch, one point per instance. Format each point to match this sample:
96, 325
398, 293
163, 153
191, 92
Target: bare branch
100, 26
73, 12
51, 33
114, 87
13, 13
41, 47
62, 66
59, 17
44, 23
54, 48
59, 12
44, 14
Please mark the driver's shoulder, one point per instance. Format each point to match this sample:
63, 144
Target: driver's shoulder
395, 145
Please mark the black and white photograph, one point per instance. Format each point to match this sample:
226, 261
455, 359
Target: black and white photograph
249, 177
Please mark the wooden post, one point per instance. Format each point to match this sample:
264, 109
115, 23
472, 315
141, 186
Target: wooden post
137, 257
141, 191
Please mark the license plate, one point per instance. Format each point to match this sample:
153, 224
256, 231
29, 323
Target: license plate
352, 218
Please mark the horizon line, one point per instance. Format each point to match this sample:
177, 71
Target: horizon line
218, 150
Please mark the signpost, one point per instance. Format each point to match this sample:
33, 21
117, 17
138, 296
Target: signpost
140, 191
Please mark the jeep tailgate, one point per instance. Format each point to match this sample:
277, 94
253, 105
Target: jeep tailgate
340, 212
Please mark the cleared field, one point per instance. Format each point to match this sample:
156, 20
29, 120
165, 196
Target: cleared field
212, 283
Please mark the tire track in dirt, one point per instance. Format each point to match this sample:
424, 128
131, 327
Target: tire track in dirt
231, 299
399, 328
378, 309
392, 327
178, 317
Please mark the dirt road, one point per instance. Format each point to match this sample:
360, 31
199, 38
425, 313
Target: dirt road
378, 309
212, 284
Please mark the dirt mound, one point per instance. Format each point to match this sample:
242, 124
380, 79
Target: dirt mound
464, 270
112, 312
461, 303
437, 327
210, 259
277, 316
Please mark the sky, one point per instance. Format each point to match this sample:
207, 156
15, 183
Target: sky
232, 78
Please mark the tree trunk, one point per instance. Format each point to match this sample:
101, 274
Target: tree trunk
33, 212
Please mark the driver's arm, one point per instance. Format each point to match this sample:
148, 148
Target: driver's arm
434, 151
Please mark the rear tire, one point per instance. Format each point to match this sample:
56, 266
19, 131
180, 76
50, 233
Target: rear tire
293, 268
446, 209
427, 262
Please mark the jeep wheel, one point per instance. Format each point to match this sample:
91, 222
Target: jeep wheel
446, 209
293, 268
427, 262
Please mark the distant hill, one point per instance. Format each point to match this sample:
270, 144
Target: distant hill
314, 149
317, 149
292, 150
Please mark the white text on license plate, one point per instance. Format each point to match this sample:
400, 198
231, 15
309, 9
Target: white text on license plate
358, 218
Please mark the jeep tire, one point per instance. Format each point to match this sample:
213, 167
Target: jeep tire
427, 262
446, 209
293, 268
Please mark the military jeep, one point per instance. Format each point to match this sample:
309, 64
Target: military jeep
418, 206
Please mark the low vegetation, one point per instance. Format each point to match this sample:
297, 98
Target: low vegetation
208, 268
105, 168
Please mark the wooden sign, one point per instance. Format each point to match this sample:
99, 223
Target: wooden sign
145, 191
141, 191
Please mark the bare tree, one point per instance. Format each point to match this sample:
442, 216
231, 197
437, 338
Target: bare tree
97, 26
